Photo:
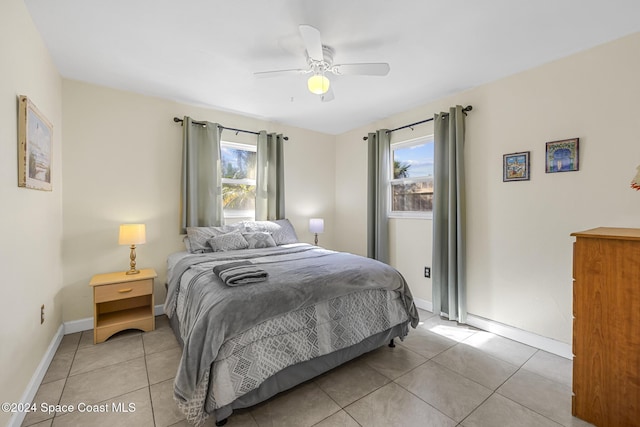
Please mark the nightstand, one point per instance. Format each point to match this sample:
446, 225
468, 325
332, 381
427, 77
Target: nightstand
122, 301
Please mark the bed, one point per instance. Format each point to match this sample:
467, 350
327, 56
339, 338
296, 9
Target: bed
257, 312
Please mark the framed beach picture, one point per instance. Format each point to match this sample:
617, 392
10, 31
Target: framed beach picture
562, 156
515, 166
35, 134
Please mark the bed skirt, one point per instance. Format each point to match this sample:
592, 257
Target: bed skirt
296, 374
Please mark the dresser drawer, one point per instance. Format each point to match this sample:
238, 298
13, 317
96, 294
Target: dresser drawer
118, 291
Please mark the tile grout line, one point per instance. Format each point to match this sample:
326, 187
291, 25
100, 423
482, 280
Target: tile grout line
532, 410
425, 402
63, 387
522, 404
452, 371
104, 342
400, 385
495, 392
146, 370
496, 389
75, 352
102, 367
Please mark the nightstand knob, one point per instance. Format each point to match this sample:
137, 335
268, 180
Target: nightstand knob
124, 291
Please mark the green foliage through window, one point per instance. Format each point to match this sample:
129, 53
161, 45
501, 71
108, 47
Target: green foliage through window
238, 180
412, 179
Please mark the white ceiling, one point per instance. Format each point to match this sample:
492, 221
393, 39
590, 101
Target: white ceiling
204, 52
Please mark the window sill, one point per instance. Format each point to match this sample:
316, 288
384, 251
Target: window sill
411, 215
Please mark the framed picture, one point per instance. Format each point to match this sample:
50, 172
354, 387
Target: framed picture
515, 167
562, 156
35, 151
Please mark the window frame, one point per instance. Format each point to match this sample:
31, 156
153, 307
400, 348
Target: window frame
234, 214
405, 144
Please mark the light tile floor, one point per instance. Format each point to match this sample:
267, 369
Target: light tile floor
443, 374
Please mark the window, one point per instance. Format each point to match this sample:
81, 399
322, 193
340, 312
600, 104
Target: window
412, 178
238, 180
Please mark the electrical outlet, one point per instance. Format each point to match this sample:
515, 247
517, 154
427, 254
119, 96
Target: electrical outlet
427, 272
42, 314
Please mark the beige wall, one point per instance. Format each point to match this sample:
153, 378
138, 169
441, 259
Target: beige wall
519, 248
31, 221
122, 164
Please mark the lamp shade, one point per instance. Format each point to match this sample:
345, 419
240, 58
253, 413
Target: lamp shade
132, 234
316, 225
318, 84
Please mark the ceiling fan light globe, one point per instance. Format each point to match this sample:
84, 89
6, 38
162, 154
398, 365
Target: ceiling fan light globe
318, 84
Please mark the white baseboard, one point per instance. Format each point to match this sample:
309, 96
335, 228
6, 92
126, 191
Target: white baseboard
30, 392
423, 304
525, 337
86, 324
78, 325
158, 310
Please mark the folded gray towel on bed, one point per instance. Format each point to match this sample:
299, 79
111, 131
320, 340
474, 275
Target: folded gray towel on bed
240, 273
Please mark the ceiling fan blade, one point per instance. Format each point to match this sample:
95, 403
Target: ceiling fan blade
362, 69
312, 41
278, 73
328, 96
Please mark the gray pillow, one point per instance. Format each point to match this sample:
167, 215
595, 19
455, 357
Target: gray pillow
198, 236
228, 242
259, 239
187, 244
281, 230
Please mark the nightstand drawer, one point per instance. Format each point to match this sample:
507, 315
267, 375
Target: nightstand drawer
117, 291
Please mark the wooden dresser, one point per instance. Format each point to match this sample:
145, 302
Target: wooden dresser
606, 326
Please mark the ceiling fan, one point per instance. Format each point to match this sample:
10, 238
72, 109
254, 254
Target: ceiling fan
320, 61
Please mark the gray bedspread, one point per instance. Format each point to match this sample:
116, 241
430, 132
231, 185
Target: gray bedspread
299, 276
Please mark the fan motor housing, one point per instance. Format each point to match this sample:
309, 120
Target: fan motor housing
320, 66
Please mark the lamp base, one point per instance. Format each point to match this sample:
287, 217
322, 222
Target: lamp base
132, 261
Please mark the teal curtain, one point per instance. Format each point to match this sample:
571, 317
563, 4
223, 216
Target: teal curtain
270, 177
201, 190
378, 195
449, 216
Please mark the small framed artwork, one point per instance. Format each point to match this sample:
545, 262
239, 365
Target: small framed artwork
562, 156
35, 134
515, 167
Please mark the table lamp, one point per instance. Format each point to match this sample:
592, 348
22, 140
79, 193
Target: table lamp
132, 234
316, 225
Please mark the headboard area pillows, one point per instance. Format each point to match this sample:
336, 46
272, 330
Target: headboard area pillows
232, 241
281, 229
281, 232
198, 236
259, 239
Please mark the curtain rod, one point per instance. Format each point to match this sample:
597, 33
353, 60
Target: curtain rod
464, 110
179, 120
